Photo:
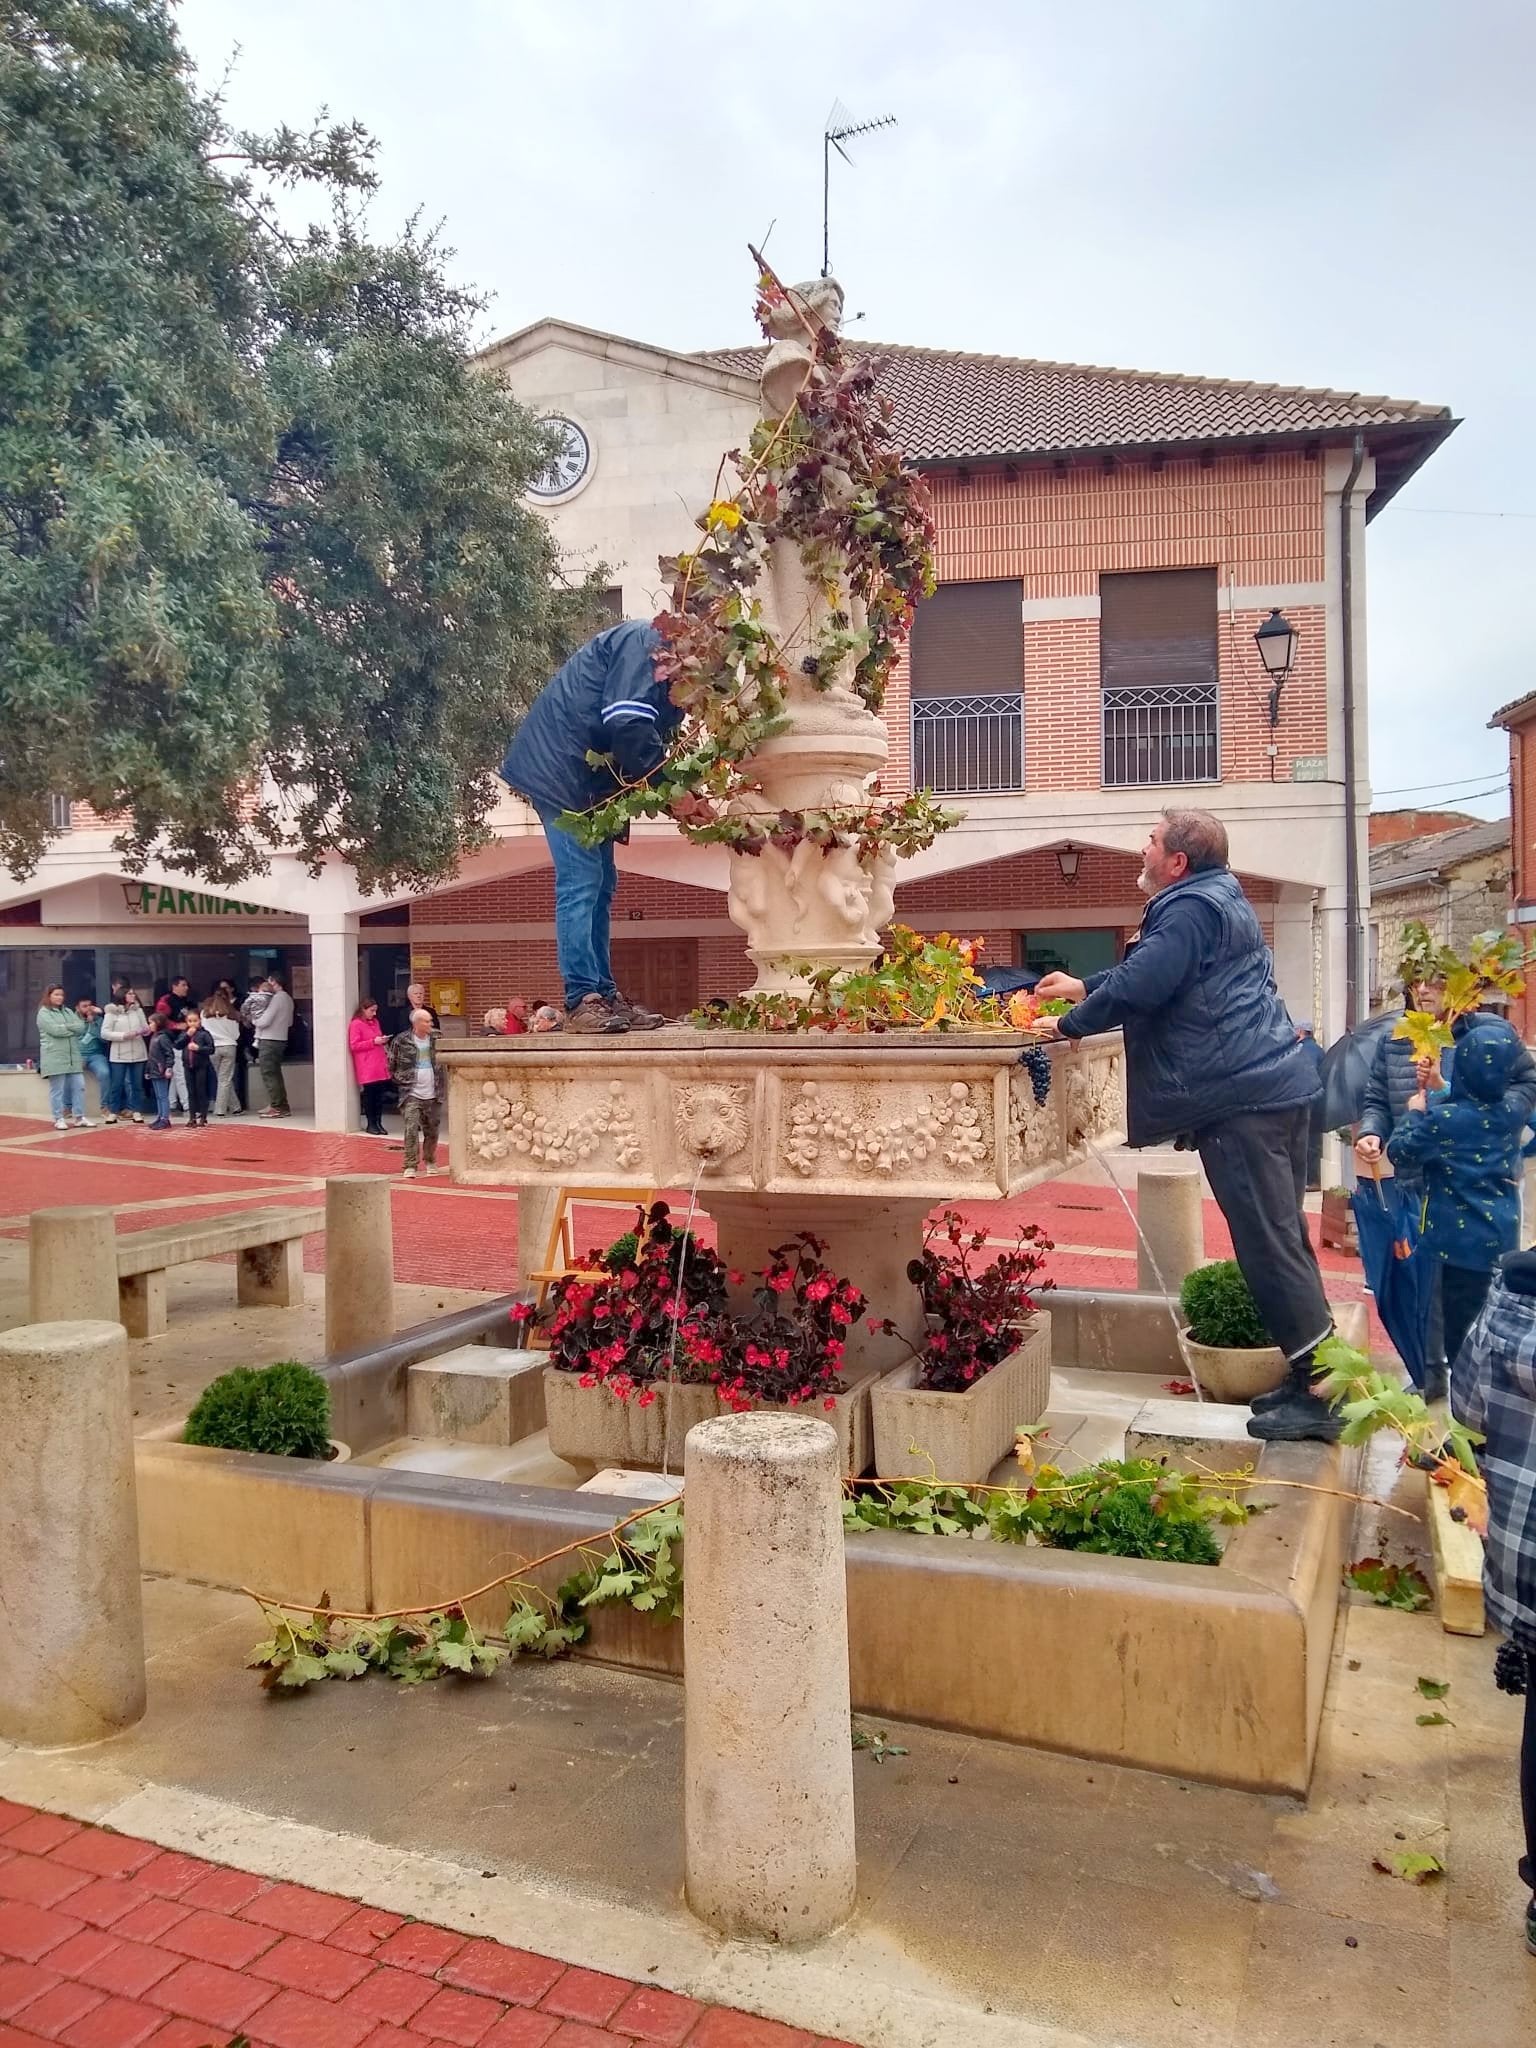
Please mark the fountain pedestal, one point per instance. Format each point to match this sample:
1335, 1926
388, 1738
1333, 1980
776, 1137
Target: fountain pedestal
855, 1138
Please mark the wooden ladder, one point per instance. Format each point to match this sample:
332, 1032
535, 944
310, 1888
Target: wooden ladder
560, 1254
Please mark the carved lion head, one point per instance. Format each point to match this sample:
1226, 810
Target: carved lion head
711, 1122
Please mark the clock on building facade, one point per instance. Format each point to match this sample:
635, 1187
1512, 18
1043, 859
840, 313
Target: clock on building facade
569, 464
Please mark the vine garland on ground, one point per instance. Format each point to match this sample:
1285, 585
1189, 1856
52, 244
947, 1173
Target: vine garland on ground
827, 479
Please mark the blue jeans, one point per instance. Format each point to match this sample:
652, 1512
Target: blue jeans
162, 1087
66, 1095
126, 1087
585, 879
98, 1064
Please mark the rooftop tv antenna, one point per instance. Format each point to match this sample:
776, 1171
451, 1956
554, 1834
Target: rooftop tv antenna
840, 128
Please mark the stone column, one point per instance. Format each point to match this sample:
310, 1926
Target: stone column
359, 1262
333, 980
69, 1536
1172, 1223
768, 1764
72, 1266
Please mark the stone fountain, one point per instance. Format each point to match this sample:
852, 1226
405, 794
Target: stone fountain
855, 1137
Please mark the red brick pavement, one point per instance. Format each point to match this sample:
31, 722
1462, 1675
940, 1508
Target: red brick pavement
109, 1942
450, 1237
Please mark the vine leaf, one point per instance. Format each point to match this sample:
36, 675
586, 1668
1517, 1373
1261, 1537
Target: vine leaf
1433, 1688
1413, 1866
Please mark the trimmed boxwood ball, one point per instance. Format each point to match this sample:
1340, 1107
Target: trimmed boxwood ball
1220, 1310
282, 1409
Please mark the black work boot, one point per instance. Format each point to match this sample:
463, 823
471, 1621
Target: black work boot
1294, 1413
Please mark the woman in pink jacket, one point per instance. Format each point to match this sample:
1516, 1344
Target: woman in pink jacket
370, 1063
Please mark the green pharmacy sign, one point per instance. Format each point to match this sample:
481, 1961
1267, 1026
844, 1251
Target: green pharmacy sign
145, 899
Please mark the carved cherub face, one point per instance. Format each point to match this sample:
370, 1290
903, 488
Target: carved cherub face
822, 298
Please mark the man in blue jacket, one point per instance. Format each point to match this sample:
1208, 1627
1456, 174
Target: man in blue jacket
1213, 1063
606, 700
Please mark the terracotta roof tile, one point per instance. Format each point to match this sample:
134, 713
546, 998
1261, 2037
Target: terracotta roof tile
950, 406
1403, 862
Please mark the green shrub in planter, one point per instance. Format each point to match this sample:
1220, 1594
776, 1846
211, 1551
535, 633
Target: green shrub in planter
282, 1409
1221, 1311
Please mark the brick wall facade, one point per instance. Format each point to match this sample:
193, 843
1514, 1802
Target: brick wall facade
1057, 532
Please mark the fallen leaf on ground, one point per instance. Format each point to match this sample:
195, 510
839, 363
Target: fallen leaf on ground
1413, 1866
1434, 1688
1178, 1386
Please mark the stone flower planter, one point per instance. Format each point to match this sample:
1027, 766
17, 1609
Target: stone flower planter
961, 1436
1233, 1376
589, 1426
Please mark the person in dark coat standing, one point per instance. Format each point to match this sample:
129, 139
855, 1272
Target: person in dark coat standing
1496, 1383
607, 700
1213, 1064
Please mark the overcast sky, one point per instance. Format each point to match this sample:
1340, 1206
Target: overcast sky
1330, 192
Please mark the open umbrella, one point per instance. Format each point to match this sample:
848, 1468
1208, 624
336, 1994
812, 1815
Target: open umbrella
1398, 1270
1346, 1068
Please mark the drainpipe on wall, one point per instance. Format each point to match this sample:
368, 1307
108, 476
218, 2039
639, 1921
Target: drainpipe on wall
1354, 928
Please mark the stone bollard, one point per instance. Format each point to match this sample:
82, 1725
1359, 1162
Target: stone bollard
1173, 1224
72, 1266
69, 1536
359, 1262
768, 1761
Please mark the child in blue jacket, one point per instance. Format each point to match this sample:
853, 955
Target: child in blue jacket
1465, 1139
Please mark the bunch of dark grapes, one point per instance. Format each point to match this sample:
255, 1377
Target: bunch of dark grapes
1037, 1063
1509, 1668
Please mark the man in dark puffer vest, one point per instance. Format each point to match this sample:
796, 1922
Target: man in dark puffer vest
1213, 1062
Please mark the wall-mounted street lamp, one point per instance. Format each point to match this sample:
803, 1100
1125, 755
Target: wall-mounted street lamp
1067, 859
1276, 641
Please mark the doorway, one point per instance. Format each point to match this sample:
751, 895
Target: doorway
661, 974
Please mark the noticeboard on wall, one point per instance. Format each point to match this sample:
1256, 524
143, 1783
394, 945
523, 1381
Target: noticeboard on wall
446, 995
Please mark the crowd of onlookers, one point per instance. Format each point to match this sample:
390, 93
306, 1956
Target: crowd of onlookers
157, 1056
151, 1054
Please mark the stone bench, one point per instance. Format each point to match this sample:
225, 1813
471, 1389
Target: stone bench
269, 1267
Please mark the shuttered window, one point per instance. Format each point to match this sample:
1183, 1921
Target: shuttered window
967, 666
968, 641
1157, 659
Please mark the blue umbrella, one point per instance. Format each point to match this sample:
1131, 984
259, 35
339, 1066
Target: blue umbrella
1398, 1270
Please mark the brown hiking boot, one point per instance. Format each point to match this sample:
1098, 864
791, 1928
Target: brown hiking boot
636, 1016
594, 1013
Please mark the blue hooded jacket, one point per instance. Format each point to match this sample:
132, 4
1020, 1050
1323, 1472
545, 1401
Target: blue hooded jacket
1206, 1034
607, 699
1467, 1146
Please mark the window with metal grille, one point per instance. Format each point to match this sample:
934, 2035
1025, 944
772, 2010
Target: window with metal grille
58, 813
967, 669
1157, 662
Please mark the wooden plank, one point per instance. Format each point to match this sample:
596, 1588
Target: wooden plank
1458, 1560
176, 1244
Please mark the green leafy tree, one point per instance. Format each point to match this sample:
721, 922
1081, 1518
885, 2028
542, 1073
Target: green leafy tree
266, 574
